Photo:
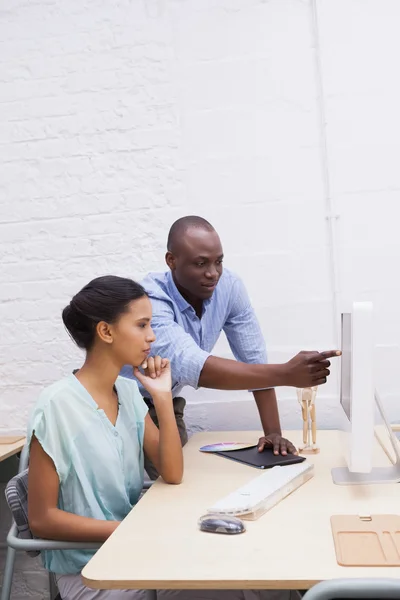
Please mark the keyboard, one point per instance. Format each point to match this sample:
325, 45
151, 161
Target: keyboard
263, 492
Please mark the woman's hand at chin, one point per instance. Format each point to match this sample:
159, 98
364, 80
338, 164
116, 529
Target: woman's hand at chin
155, 375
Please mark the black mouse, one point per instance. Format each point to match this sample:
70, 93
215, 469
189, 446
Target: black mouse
221, 524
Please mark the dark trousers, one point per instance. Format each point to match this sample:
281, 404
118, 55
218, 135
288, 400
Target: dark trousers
179, 404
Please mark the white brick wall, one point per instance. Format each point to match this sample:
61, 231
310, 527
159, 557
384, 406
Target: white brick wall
115, 119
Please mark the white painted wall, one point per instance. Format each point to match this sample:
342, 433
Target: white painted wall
264, 117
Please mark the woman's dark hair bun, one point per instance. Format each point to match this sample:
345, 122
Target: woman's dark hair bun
103, 299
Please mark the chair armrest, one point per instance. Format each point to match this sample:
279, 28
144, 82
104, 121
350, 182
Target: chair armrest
362, 588
23, 460
37, 544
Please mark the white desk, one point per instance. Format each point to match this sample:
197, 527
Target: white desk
10, 445
159, 545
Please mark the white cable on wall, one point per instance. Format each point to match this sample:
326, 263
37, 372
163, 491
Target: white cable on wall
331, 213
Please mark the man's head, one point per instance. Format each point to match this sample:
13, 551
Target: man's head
194, 256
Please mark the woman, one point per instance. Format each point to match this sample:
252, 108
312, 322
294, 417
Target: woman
89, 432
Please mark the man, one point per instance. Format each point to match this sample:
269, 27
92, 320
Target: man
192, 303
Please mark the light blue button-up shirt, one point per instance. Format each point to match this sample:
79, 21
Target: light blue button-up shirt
99, 465
187, 341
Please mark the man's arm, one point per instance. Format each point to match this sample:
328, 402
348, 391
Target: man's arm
249, 370
268, 408
306, 369
194, 367
226, 374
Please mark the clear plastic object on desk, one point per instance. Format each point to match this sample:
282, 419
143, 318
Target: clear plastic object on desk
262, 493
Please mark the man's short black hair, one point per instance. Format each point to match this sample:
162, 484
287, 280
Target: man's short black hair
179, 228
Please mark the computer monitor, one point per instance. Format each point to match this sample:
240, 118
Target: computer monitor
358, 399
357, 385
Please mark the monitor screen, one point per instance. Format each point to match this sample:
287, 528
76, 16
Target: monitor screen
345, 381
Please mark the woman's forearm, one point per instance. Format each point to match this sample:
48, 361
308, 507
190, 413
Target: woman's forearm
56, 524
170, 447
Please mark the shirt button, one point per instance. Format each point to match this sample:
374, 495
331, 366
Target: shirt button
116, 434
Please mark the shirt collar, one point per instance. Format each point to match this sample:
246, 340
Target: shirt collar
176, 296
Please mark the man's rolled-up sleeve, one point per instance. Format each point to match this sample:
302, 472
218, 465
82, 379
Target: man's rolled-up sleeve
243, 330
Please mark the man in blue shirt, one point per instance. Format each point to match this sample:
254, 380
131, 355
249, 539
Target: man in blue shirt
192, 303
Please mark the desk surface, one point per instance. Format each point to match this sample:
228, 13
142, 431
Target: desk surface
9, 445
159, 545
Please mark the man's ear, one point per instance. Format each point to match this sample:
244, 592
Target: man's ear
104, 332
170, 260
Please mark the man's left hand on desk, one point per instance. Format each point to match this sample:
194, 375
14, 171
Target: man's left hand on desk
279, 444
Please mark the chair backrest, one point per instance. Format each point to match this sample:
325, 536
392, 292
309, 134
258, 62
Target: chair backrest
24, 459
362, 588
17, 499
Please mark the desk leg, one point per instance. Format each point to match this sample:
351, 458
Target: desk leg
151, 594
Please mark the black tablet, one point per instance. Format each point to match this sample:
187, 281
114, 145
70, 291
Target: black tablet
261, 460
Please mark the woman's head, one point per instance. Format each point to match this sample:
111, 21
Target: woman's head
113, 313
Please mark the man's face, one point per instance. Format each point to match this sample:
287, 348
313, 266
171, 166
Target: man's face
197, 262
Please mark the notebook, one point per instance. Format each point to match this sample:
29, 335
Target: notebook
260, 460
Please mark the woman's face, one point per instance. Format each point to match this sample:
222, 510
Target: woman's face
132, 334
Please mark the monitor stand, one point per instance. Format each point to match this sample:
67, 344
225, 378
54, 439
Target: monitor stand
342, 475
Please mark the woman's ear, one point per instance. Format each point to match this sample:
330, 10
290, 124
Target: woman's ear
104, 332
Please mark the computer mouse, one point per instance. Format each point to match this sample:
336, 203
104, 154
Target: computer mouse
221, 524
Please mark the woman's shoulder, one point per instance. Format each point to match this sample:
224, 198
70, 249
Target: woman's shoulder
54, 392
54, 400
49, 414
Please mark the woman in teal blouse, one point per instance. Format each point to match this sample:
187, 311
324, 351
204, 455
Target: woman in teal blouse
88, 432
